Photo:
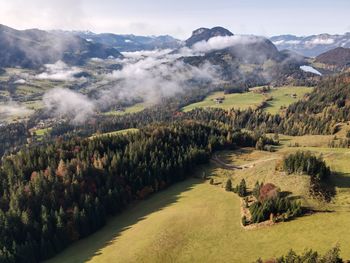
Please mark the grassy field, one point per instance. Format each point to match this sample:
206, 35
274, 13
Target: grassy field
132, 109
42, 132
242, 101
115, 132
194, 221
282, 96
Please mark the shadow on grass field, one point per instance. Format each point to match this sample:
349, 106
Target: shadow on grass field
85, 249
194, 221
341, 180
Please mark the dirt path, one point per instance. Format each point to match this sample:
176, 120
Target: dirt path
252, 164
216, 159
224, 165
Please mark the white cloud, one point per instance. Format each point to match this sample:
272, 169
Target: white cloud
222, 42
293, 42
146, 75
13, 109
152, 75
278, 42
58, 71
320, 41
66, 103
287, 42
147, 53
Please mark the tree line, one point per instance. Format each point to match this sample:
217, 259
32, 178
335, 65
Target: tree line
307, 163
331, 256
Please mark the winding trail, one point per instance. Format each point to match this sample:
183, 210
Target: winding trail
216, 159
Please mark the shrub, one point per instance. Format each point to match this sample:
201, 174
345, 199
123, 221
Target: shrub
244, 221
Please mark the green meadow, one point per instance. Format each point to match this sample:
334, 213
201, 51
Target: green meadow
115, 132
194, 221
241, 100
281, 97
132, 109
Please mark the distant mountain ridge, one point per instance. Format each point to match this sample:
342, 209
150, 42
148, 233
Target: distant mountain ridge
339, 57
131, 43
33, 48
311, 46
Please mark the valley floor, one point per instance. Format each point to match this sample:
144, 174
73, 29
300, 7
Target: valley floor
194, 221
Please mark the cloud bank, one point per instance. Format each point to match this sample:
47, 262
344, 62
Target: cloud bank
12, 109
222, 42
149, 76
66, 103
59, 71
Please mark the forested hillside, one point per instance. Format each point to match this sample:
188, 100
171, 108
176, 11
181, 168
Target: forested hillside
319, 113
54, 194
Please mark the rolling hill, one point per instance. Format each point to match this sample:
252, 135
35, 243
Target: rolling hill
338, 57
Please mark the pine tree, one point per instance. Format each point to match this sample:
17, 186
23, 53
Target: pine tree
228, 186
242, 189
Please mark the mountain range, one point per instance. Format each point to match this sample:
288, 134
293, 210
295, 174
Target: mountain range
247, 59
131, 43
311, 46
32, 48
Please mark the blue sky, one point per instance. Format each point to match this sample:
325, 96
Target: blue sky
180, 17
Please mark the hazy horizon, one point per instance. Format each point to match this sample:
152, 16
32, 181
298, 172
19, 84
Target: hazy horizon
179, 18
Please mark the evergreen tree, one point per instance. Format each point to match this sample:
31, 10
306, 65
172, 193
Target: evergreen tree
228, 186
242, 188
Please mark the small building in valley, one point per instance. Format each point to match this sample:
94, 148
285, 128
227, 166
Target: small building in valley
219, 100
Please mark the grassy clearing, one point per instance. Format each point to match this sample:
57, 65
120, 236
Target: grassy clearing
132, 109
26, 90
306, 140
242, 101
42, 132
282, 96
34, 105
115, 132
194, 221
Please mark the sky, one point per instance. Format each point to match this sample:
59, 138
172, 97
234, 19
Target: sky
180, 17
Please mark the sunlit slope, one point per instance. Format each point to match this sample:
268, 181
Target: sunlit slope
276, 99
194, 221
